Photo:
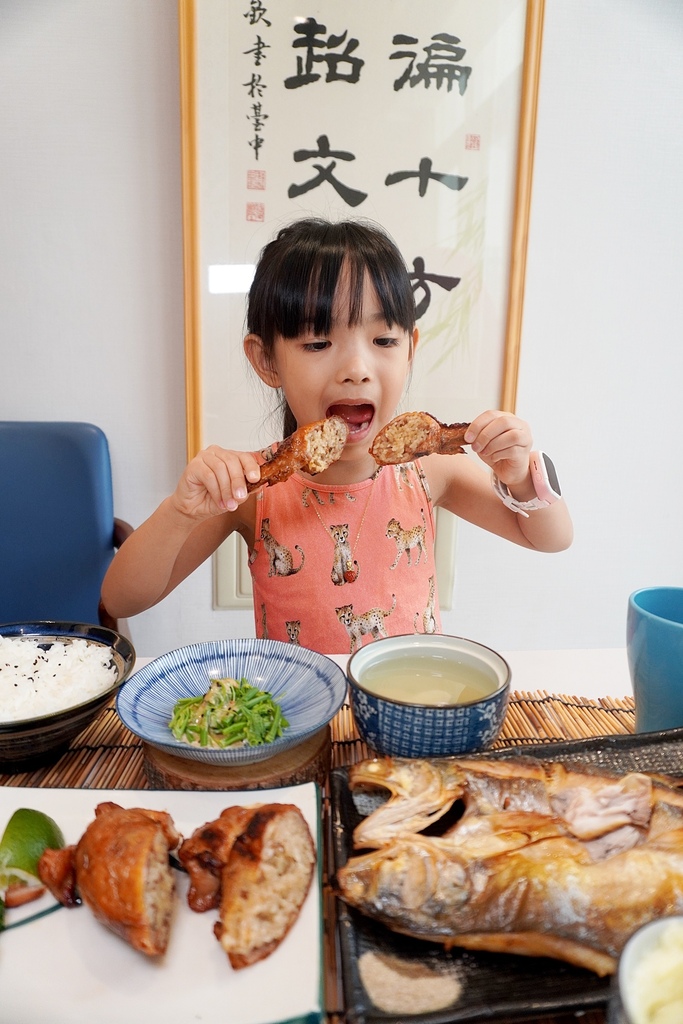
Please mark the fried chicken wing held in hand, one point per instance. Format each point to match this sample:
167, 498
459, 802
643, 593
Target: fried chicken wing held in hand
311, 448
120, 869
414, 434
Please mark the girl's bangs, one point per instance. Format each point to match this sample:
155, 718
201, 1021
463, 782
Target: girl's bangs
299, 274
307, 300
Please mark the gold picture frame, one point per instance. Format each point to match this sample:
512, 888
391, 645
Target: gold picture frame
191, 33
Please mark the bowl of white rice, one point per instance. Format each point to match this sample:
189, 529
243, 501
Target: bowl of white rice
55, 678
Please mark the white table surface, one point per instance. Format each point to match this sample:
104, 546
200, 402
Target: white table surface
601, 672
581, 673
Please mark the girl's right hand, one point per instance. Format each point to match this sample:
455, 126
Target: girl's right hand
215, 481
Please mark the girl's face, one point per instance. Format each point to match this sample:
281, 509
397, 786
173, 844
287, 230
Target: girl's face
355, 371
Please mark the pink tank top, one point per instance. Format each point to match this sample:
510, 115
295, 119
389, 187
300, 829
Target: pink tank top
336, 567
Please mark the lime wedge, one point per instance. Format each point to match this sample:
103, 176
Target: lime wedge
27, 835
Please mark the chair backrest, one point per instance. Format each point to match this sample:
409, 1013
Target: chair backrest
56, 520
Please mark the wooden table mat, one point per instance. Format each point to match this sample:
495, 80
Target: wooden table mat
108, 756
532, 717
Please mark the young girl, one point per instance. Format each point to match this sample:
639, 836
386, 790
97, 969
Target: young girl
346, 555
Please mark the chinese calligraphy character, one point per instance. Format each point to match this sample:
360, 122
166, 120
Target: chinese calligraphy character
305, 74
257, 12
258, 119
256, 144
420, 279
258, 50
353, 197
441, 65
452, 181
255, 86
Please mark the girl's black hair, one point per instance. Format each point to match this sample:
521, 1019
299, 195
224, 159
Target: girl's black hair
297, 275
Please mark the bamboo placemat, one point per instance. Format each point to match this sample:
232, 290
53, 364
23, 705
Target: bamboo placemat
108, 756
532, 717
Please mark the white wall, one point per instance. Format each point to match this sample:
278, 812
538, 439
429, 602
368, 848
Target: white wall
602, 353
91, 295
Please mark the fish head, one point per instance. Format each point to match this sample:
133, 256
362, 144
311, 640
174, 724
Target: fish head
421, 793
414, 885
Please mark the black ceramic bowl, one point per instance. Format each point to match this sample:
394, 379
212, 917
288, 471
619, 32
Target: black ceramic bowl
37, 739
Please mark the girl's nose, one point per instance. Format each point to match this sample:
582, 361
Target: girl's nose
354, 368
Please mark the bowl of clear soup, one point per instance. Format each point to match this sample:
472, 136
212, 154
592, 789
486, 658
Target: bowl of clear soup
428, 695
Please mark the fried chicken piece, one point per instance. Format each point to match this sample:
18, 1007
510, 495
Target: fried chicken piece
57, 870
264, 883
414, 434
206, 852
311, 448
120, 869
256, 864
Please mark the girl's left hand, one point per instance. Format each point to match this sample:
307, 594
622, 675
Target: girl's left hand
503, 442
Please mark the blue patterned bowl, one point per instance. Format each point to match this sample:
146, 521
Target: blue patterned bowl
407, 728
309, 687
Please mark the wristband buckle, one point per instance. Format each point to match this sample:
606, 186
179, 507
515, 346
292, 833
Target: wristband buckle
521, 507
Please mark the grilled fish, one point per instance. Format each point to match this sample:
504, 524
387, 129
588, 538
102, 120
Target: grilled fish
544, 860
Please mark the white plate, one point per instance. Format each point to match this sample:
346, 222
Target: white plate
65, 968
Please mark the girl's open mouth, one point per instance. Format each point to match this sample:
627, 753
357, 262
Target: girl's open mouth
357, 417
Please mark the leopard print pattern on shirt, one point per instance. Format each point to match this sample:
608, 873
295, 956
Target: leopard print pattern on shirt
428, 613
344, 568
369, 622
280, 560
293, 627
309, 492
402, 475
407, 540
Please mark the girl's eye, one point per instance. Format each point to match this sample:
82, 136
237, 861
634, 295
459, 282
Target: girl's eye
386, 342
316, 346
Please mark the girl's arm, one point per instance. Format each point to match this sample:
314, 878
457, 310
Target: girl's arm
209, 503
503, 443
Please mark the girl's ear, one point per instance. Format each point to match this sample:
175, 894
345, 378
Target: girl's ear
256, 354
413, 341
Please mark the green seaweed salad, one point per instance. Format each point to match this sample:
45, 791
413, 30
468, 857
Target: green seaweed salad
230, 712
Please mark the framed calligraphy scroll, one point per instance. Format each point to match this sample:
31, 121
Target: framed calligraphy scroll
418, 116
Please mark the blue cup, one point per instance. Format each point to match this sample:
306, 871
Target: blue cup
654, 646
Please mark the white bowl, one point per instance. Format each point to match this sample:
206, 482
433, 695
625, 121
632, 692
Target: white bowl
633, 967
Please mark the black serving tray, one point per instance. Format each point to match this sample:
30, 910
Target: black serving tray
494, 985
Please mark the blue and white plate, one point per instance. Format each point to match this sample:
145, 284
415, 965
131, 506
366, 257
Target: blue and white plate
309, 687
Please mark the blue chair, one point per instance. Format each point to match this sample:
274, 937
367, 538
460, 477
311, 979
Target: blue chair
58, 532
